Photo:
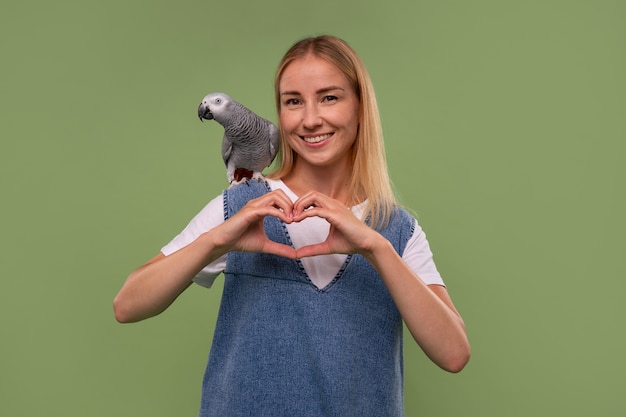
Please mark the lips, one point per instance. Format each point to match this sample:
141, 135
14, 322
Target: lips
316, 139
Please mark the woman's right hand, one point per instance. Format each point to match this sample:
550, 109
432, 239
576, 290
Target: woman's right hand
244, 231
151, 288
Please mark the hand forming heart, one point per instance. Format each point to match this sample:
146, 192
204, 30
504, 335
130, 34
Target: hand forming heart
244, 231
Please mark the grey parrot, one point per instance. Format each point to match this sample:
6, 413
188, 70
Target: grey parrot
250, 142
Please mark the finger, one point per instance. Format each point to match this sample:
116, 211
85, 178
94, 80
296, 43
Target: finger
279, 249
275, 205
251, 214
311, 199
277, 199
313, 250
316, 199
336, 214
311, 211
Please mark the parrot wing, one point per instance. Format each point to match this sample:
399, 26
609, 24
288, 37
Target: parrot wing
274, 141
227, 148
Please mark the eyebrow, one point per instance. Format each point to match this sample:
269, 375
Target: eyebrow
320, 91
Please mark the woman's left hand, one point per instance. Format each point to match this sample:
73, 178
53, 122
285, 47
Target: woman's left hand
427, 310
347, 235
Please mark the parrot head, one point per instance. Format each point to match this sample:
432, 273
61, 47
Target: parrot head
213, 106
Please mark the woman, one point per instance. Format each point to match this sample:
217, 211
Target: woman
321, 266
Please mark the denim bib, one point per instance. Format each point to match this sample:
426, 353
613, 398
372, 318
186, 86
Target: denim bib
283, 347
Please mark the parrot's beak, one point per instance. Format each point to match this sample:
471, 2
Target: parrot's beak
204, 112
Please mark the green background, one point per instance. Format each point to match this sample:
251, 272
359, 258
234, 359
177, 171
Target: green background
505, 125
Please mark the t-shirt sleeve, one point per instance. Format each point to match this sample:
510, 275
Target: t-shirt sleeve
210, 216
419, 257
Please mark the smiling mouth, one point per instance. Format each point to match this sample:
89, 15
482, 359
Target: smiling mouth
316, 139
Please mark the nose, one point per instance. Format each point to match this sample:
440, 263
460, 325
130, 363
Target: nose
312, 117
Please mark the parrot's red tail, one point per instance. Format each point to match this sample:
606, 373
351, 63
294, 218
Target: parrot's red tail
242, 173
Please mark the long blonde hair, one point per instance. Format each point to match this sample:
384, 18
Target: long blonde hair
370, 178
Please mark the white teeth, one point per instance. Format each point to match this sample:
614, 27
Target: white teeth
317, 139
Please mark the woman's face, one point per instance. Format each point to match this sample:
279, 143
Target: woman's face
319, 111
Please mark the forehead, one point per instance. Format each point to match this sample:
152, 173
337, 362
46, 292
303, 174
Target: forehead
311, 73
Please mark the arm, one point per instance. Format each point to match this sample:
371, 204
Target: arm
427, 311
151, 288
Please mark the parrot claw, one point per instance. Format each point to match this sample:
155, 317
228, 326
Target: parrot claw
257, 176
241, 181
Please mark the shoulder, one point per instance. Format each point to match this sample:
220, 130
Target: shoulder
210, 216
400, 214
234, 198
402, 221
400, 228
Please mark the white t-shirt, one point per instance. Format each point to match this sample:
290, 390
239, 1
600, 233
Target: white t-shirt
321, 269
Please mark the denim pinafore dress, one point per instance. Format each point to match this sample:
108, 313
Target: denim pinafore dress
283, 347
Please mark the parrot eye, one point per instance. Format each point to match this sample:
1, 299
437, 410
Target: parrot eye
218, 100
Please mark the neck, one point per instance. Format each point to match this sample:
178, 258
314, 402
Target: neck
333, 181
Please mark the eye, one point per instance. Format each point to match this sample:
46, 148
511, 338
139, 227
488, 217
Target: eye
292, 102
218, 100
329, 98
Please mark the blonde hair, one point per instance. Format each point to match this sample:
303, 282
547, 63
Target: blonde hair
370, 178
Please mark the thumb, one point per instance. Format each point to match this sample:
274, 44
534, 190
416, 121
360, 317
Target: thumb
313, 250
279, 249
